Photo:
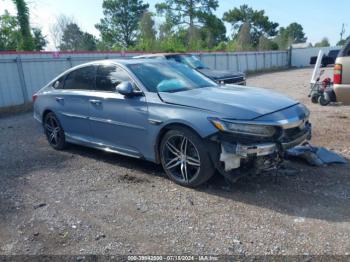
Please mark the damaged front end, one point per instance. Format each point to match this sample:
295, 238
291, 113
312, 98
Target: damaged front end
254, 147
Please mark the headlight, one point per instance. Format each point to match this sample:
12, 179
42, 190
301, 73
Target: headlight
245, 129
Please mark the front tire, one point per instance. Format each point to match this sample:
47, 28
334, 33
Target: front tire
184, 158
54, 131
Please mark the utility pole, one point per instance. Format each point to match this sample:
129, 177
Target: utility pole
342, 31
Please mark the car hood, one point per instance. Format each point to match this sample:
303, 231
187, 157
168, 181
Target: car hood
220, 74
234, 102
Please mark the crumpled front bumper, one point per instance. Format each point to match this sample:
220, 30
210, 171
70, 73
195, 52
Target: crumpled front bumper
232, 153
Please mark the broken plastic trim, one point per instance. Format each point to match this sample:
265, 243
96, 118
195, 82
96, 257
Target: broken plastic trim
231, 154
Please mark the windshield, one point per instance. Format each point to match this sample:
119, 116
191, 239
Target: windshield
193, 62
190, 60
169, 77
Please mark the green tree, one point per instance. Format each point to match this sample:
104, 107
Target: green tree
292, 34
187, 14
266, 44
259, 23
88, 42
39, 40
27, 42
58, 27
323, 43
74, 39
244, 38
9, 32
121, 21
147, 38
194, 39
213, 30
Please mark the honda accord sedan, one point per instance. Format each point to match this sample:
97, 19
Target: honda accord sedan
170, 114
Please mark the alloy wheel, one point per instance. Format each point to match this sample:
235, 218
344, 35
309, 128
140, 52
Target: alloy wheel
181, 158
52, 129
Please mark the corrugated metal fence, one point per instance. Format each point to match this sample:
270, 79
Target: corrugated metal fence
22, 74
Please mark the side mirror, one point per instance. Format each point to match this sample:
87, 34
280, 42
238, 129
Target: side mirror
125, 88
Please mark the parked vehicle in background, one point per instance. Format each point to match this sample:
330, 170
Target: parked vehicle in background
341, 77
219, 76
168, 113
326, 59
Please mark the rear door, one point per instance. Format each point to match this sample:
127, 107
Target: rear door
116, 120
72, 102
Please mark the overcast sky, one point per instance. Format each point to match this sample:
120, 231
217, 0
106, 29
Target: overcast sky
319, 18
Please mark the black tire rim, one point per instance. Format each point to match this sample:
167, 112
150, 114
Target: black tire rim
181, 158
52, 129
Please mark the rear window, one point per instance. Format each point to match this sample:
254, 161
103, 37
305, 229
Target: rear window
82, 78
345, 50
333, 53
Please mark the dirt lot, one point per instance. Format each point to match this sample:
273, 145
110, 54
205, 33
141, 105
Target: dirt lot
83, 201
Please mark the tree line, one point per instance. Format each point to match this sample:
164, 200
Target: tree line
186, 25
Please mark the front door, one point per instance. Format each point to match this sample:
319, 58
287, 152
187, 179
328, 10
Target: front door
116, 120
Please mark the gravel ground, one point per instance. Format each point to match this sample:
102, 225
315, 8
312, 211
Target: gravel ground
84, 201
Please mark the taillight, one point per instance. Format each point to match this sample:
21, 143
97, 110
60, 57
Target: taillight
338, 71
34, 97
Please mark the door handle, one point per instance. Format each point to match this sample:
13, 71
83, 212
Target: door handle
59, 99
95, 102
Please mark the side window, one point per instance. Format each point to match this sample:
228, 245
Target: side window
82, 78
109, 76
345, 51
175, 58
58, 84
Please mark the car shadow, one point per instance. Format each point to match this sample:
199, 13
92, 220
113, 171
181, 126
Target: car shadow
309, 192
111, 158
313, 192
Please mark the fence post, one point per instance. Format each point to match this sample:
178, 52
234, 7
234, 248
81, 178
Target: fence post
256, 61
237, 62
22, 79
271, 56
228, 61
215, 61
264, 59
69, 59
246, 61
290, 56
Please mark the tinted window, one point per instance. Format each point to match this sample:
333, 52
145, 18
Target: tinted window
333, 53
346, 50
175, 58
190, 60
58, 84
108, 77
82, 78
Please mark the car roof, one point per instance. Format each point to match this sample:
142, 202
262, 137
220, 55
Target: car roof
158, 55
120, 61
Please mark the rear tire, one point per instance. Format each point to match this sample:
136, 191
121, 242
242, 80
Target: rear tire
314, 98
184, 158
54, 131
